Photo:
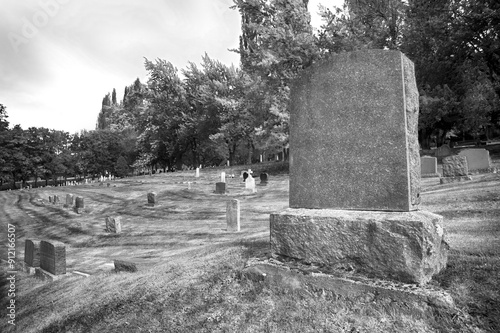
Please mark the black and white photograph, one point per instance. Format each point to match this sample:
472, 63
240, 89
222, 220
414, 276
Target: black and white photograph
250, 166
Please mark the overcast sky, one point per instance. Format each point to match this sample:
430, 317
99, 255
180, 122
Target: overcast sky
58, 58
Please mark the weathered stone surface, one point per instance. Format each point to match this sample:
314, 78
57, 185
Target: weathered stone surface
53, 257
125, 266
456, 179
220, 188
428, 166
333, 164
455, 166
478, 160
113, 224
233, 215
152, 198
444, 151
79, 202
415, 299
70, 200
402, 246
32, 252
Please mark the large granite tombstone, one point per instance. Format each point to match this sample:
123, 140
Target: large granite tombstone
355, 171
353, 134
53, 257
478, 160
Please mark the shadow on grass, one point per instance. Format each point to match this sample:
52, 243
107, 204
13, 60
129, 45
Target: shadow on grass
474, 282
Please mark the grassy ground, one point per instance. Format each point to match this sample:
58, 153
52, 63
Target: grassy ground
192, 280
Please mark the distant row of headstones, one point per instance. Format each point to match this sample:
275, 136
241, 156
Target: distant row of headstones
458, 167
48, 258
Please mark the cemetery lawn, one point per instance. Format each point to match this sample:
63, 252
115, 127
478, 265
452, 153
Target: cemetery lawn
190, 273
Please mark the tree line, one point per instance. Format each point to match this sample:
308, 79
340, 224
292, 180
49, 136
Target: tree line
213, 113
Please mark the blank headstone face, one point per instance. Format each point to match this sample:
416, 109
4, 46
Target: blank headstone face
353, 134
223, 177
264, 177
79, 203
455, 166
197, 172
250, 183
233, 215
220, 188
428, 165
151, 198
477, 159
32, 252
53, 257
69, 199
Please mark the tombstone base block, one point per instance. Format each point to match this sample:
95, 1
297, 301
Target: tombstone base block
30, 270
430, 175
408, 247
456, 179
357, 289
47, 276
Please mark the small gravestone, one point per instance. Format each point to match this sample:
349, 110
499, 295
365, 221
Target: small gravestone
455, 169
264, 178
113, 225
79, 205
478, 160
444, 151
50, 198
69, 200
197, 173
53, 257
32, 252
152, 199
125, 266
56, 199
233, 215
220, 188
223, 177
250, 184
428, 167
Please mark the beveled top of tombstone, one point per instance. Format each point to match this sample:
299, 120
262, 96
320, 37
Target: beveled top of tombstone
353, 134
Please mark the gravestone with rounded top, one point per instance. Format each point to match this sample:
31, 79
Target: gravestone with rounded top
264, 178
354, 194
79, 205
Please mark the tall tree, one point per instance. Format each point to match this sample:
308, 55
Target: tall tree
275, 45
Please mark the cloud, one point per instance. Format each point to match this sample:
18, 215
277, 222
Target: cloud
56, 77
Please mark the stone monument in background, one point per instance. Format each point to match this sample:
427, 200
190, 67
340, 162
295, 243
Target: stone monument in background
355, 171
